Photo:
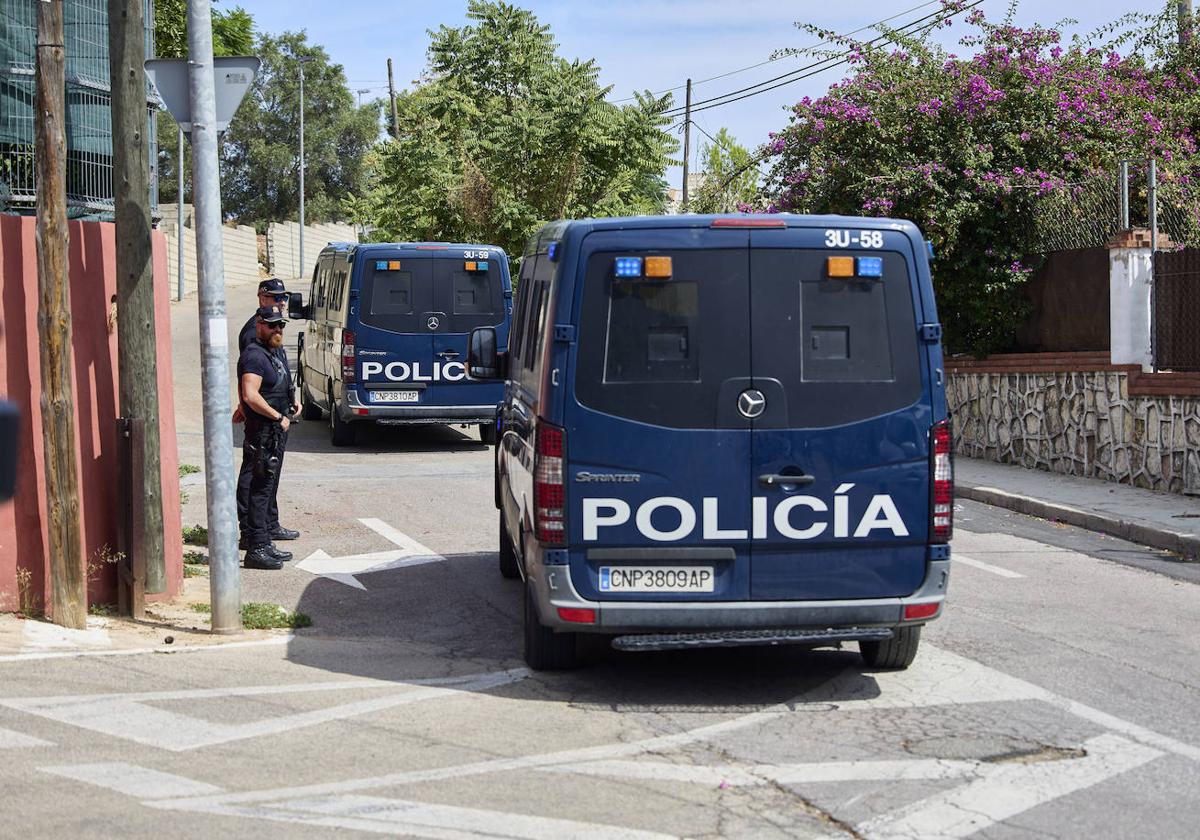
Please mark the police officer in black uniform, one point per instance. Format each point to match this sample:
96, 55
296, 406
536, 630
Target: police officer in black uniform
266, 399
270, 293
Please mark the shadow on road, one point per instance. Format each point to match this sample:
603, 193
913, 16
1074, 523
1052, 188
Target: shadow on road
313, 436
461, 617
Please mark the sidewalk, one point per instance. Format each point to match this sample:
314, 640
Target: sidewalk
1161, 520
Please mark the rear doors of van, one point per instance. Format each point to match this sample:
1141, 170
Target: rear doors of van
415, 311
756, 411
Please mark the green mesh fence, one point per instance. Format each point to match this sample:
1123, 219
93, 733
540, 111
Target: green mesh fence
88, 116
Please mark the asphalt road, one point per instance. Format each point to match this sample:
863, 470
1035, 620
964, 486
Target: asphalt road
1058, 696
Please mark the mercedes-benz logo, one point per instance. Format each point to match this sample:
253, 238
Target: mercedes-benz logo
433, 322
751, 403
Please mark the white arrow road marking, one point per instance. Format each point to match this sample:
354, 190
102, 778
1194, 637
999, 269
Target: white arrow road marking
344, 569
987, 567
132, 717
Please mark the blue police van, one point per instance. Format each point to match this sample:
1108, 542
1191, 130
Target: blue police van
722, 431
387, 332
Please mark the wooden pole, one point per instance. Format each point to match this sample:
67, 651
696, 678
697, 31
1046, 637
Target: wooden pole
136, 344
687, 145
67, 579
392, 100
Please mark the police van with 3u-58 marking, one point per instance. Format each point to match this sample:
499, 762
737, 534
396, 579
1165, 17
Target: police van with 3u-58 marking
724, 430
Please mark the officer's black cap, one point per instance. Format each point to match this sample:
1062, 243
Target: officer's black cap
274, 286
271, 315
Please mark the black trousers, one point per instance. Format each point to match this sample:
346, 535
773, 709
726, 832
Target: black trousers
257, 503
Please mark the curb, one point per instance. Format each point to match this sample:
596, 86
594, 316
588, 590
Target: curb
1181, 543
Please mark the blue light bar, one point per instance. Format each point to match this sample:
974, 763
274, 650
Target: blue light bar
481, 266
628, 267
552, 251
869, 266
381, 265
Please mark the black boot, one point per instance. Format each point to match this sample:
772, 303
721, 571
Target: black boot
260, 557
281, 533
279, 553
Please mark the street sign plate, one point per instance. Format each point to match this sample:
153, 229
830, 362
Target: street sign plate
232, 76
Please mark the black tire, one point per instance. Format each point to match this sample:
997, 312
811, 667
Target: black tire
508, 555
897, 653
341, 433
546, 650
309, 410
487, 433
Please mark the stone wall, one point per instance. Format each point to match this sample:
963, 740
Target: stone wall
1110, 422
283, 246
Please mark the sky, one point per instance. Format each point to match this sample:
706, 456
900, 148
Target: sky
648, 45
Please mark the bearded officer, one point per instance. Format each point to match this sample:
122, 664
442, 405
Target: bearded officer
266, 400
270, 293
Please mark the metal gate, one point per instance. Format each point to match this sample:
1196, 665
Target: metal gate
1177, 309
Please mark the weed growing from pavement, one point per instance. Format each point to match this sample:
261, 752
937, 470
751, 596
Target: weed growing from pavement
195, 535
102, 609
27, 601
194, 570
187, 469
196, 557
259, 615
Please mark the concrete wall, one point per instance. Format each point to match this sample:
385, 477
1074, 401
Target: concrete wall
23, 532
1098, 420
239, 245
283, 247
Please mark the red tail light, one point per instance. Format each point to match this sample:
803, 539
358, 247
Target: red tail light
549, 492
348, 375
941, 473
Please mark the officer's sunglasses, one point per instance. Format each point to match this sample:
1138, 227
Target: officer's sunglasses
280, 298
275, 325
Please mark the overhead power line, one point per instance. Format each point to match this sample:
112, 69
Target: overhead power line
783, 57
828, 63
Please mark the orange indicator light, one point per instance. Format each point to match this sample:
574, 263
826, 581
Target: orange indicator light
840, 266
657, 267
393, 265
469, 266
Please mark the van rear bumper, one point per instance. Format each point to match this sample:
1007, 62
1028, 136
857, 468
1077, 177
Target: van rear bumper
352, 410
555, 590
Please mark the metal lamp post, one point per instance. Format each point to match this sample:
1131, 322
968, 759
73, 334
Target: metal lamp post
304, 59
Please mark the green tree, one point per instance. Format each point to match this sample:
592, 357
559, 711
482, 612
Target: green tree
501, 135
730, 177
233, 31
260, 151
233, 34
986, 151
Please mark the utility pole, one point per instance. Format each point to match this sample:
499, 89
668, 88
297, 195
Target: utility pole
67, 581
392, 99
224, 574
360, 92
1184, 10
137, 350
687, 143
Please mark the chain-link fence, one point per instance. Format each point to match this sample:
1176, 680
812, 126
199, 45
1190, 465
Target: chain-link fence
1084, 214
88, 106
1088, 213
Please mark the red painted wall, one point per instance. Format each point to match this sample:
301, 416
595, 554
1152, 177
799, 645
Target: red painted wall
23, 540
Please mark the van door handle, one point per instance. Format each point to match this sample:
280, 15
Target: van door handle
449, 354
774, 479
